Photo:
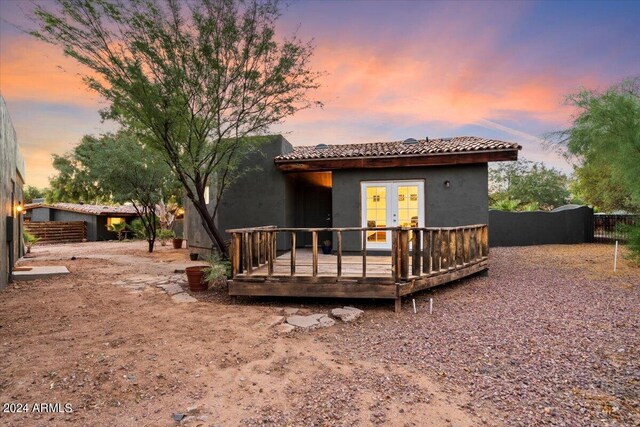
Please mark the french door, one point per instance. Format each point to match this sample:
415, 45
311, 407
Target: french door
391, 204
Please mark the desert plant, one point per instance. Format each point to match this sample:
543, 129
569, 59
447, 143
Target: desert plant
29, 240
506, 205
118, 228
139, 229
164, 235
633, 240
217, 268
531, 207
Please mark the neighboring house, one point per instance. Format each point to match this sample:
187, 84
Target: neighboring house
95, 217
12, 177
434, 183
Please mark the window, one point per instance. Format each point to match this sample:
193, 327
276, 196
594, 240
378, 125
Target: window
113, 221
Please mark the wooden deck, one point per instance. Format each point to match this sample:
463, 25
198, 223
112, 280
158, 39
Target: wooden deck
420, 258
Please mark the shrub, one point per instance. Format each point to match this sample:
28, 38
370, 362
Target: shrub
633, 241
139, 231
164, 235
29, 240
506, 205
217, 268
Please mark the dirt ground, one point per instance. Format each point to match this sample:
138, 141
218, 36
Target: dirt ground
122, 355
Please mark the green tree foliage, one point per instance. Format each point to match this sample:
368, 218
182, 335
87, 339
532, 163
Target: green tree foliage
604, 141
72, 184
193, 79
130, 172
530, 184
30, 192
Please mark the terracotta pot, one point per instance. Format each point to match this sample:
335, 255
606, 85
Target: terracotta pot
177, 243
195, 277
326, 249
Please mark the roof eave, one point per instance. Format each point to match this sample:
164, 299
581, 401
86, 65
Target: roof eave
412, 160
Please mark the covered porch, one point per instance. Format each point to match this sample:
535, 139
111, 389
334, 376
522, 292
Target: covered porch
420, 258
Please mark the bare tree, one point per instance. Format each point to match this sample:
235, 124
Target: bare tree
192, 79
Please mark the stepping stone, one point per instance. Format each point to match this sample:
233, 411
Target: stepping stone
290, 311
347, 314
274, 320
183, 297
304, 322
312, 321
284, 328
40, 272
325, 321
171, 288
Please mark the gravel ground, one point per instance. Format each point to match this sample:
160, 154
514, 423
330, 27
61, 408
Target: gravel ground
549, 337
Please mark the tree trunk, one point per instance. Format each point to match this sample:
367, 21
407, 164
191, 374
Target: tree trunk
212, 231
151, 244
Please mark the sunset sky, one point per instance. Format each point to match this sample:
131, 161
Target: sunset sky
394, 70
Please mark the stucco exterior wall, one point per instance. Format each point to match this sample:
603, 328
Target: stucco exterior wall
265, 196
464, 202
12, 173
260, 197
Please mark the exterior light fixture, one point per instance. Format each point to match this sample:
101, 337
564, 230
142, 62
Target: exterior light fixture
447, 184
19, 208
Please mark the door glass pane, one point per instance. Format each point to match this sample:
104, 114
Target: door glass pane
376, 212
408, 205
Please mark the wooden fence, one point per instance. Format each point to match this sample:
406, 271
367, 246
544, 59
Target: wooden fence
57, 231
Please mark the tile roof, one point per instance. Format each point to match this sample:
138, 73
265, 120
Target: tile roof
87, 209
460, 144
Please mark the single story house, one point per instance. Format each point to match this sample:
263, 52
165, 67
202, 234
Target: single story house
420, 183
95, 217
12, 177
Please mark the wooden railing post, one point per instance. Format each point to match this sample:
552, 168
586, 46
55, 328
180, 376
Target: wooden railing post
444, 250
395, 268
248, 256
452, 249
293, 253
415, 247
426, 251
465, 242
459, 247
314, 251
437, 247
263, 247
404, 254
479, 241
270, 253
236, 245
364, 253
339, 267
485, 241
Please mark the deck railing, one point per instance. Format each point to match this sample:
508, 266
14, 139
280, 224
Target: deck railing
415, 251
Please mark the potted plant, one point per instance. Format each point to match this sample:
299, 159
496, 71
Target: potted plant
29, 240
177, 242
164, 235
195, 277
326, 247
